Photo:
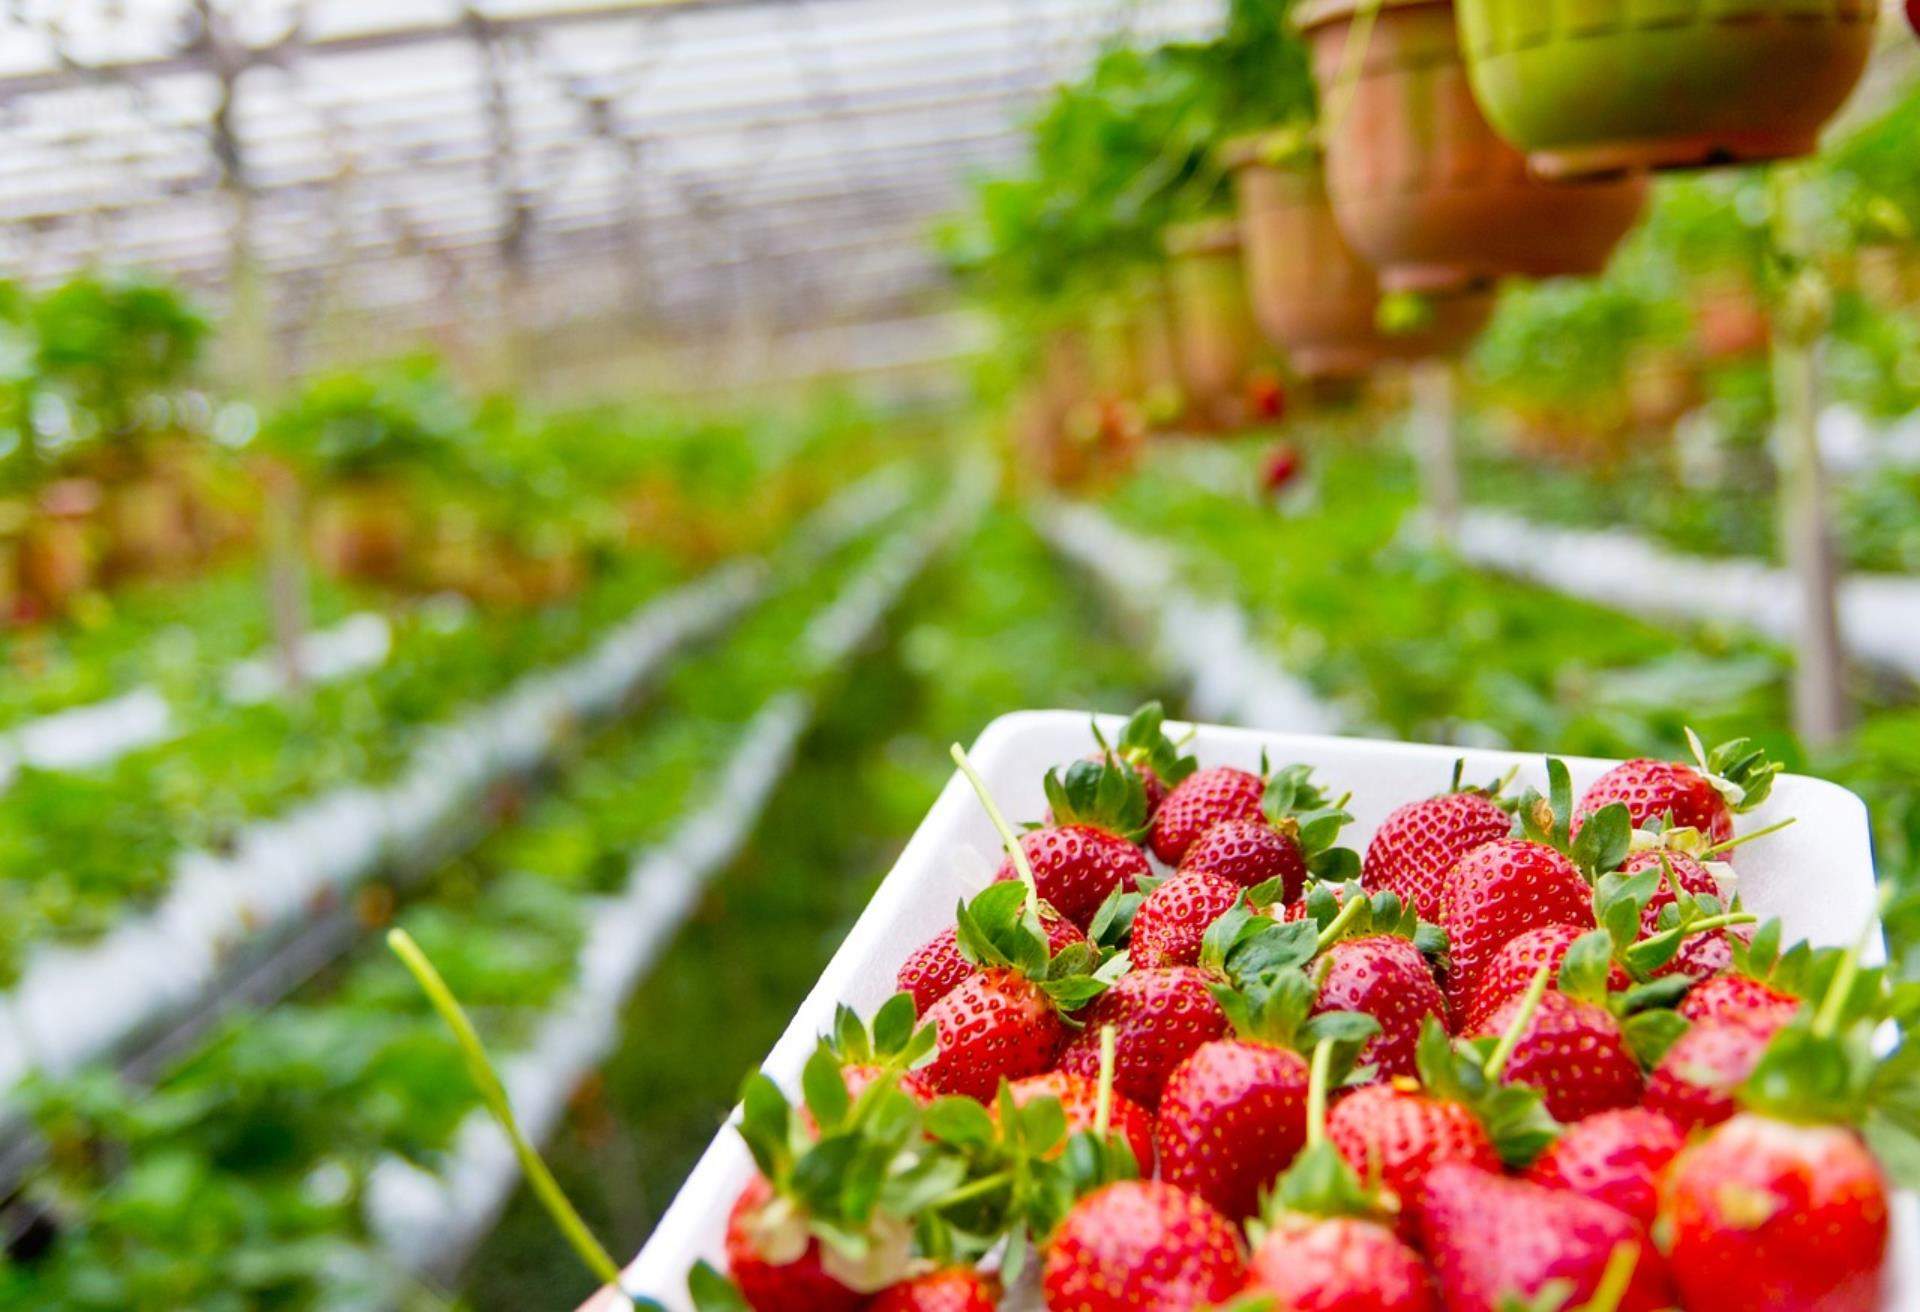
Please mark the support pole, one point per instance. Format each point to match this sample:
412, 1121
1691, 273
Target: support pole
1430, 424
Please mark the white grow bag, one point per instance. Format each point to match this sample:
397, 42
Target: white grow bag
1817, 876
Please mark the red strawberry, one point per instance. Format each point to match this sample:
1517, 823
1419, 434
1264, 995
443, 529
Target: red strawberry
1492, 1239
996, 1025
938, 965
1417, 844
860, 1077
1249, 852
1175, 917
1400, 1133
1695, 1081
1079, 1098
1075, 867
1763, 1216
1232, 1118
1683, 797
1570, 1050
1280, 467
1338, 1264
1202, 800
1384, 976
1614, 1157
1701, 955
1498, 892
950, 1289
796, 1284
1736, 996
1513, 967
1141, 1246
1159, 1016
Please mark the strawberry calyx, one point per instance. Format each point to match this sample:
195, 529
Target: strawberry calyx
1320, 1182
1605, 837
1494, 792
1739, 771
1265, 991
893, 1042
1144, 742
1468, 1071
1348, 911
1102, 794
1299, 808
1002, 927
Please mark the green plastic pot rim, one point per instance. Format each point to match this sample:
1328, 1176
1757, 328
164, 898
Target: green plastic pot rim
1289, 146
1319, 13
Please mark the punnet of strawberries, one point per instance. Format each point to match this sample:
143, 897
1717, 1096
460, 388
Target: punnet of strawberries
1527, 1054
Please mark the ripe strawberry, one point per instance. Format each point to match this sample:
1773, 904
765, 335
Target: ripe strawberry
996, 1025
1338, 1264
1175, 917
1498, 892
860, 1077
1492, 1239
1701, 955
1614, 1157
1694, 1083
1513, 967
769, 1277
1736, 996
938, 965
1279, 468
1087, 850
1399, 1133
1572, 1051
1141, 1246
1202, 800
1079, 1098
1248, 852
1232, 1118
950, 1289
1159, 1016
1417, 844
1764, 1216
1384, 976
1735, 776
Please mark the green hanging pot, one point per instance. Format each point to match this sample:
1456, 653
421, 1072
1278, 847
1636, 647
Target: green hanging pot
1607, 86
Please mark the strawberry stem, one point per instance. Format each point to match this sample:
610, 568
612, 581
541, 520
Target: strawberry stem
1732, 843
1616, 1279
1338, 925
1008, 840
1529, 1003
1103, 1099
966, 1193
1317, 1079
494, 1095
1834, 1005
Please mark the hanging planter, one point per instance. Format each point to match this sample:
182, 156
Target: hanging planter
1214, 332
1314, 298
1162, 397
1612, 85
1422, 186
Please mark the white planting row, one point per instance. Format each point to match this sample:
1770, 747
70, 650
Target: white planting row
1209, 643
431, 1221
84, 737
74, 1002
1879, 613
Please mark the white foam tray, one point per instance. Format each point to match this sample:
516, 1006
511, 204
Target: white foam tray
1816, 875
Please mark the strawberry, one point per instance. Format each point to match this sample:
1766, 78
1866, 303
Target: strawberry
938, 965
1735, 776
769, 1276
1141, 1246
1079, 1099
1493, 1241
1279, 467
1734, 996
1373, 960
1695, 1082
949, 1289
1159, 1017
1418, 843
1175, 917
1571, 1050
1233, 1116
1498, 892
1513, 967
1087, 850
1325, 1244
1614, 1157
1766, 1216
1288, 839
1145, 747
1007, 1020
1197, 803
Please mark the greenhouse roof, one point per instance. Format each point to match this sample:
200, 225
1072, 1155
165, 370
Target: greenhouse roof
684, 166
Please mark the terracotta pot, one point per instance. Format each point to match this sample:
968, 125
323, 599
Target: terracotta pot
1423, 187
1214, 331
1155, 351
363, 531
1604, 86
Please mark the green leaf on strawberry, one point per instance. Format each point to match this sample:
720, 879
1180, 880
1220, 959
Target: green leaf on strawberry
1296, 806
1144, 742
1104, 794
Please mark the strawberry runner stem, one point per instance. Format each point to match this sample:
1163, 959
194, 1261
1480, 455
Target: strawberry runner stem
1732, 843
1319, 1073
1103, 1099
1338, 925
1008, 839
1529, 1003
494, 1095
1615, 1280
